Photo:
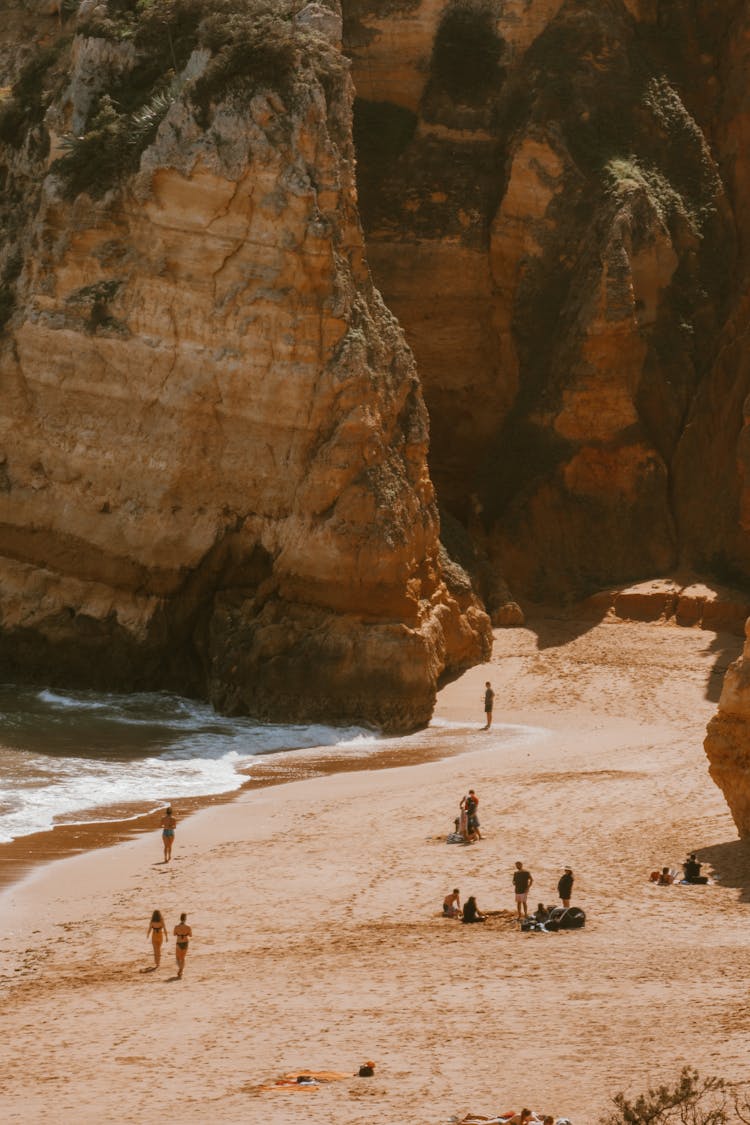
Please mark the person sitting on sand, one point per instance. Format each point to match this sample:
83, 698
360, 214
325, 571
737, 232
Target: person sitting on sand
452, 904
471, 911
665, 878
157, 931
183, 933
168, 825
541, 914
692, 868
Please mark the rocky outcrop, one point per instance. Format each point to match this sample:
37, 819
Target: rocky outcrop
727, 742
212, 436
555, 206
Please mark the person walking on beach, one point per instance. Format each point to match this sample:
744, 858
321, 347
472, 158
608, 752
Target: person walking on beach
522, 881
183, 934
489, 700
565, 886
168, 825
157, 931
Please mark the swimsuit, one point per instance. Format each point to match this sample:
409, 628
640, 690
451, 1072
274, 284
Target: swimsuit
182, 944
168, 832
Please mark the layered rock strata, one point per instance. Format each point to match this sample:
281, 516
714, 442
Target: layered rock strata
727, 742
212, 436
554, 195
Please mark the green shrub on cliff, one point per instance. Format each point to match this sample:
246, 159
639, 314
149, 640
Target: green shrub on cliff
27, 102
252, 45
112, 145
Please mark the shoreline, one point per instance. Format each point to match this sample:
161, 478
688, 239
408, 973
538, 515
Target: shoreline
319, 937
20, 857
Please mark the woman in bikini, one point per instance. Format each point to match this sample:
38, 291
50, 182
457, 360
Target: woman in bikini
168, 825
157, 931
183, 934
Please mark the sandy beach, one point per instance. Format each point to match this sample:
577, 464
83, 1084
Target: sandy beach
318, 941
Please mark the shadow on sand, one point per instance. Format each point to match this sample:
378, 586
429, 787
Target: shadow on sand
555, 628
727, 647
731, 864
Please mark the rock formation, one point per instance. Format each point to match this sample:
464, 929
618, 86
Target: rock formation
727, 742
212, 436
555, 200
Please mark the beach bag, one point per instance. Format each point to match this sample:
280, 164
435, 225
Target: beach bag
566, 918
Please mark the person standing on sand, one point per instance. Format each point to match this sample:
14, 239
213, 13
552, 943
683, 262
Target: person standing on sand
183, 934
168, 825
522, 881
471, 804
565, 886
489, 700
157, 931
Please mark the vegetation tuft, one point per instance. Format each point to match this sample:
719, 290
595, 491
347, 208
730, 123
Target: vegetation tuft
26, 106
691, 1101
252, 44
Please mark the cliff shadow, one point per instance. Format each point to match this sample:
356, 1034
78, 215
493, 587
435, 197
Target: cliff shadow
727, 647
730, 863
554, 628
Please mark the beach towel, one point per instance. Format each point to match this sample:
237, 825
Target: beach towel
304, 1080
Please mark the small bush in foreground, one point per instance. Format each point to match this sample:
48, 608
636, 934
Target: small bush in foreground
692, 1101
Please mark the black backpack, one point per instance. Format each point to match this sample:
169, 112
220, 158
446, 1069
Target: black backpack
566, 918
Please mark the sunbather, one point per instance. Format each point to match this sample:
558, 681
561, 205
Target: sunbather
666, 878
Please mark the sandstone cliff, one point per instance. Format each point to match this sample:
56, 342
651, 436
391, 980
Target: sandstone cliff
212, 436
727, 742
555, 200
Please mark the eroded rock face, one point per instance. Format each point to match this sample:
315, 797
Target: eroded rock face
727, 742
212, 437
555, 206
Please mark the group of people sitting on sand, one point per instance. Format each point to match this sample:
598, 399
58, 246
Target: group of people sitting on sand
468, 913
691, 873
522, 881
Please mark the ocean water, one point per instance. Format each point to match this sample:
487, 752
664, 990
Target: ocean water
72, 756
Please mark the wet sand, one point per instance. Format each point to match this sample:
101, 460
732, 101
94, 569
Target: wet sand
318, 938
110, 825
